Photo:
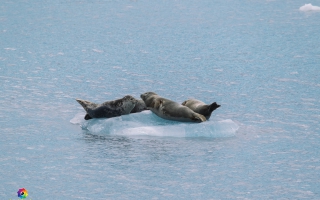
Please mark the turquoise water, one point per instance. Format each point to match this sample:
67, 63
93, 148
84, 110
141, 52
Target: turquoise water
258, 59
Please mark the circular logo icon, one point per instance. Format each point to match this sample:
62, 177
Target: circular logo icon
22, 193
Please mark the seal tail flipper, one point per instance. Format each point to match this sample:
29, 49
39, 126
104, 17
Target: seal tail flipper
82, 103
87, 117
199, 118
85, 105
213, 106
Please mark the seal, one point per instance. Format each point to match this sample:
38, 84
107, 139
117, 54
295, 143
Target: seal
170, 110
108, 109
200, 107
139, 107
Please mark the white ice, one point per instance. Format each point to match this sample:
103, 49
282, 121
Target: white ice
309, 7
148, 124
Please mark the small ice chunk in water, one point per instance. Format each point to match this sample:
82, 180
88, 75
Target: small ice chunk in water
148, 124
309, 7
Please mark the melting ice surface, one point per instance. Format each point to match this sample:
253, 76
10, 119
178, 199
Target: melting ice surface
146, 123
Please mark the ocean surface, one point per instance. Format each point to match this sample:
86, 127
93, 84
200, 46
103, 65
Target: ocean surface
260, 60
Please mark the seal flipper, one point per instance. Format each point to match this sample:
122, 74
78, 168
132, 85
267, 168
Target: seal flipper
157, 103
87, 117
199, 118
213, 106
86, 104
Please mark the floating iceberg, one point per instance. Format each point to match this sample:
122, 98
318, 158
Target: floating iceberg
148, 124
309, 7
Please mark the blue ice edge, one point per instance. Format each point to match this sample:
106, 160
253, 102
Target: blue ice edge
148, 124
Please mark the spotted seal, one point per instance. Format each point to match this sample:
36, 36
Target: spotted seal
200, 107
168, 109
108, 109
139, 107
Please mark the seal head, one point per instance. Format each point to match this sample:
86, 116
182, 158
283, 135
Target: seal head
139, 107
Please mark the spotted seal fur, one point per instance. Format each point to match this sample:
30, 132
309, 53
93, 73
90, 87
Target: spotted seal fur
139, 107
108, 109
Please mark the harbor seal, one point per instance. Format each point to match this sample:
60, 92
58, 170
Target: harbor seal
168, 109
139, 107
200, 107
108, 109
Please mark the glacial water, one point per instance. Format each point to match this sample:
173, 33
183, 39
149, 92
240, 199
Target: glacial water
258, 59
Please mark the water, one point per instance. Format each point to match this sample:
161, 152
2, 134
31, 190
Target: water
258, 59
